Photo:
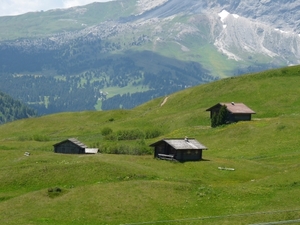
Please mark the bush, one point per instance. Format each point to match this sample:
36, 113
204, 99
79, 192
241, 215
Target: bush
222, 116
219, 118
214, 120
56, 189
152, 133
41, 138
54, 192
111, 137
137, 148
130, 134
106, 131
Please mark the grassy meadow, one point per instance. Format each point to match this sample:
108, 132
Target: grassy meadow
135, 188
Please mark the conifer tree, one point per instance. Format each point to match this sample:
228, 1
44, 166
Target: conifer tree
222, 115
214, 120
219, 118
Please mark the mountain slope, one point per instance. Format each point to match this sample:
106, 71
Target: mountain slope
11, 109
120, 54
181, 109
105, 188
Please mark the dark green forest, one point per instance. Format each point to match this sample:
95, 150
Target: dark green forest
73, 76
11, 109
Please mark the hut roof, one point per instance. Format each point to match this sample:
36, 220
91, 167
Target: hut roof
74, 141
182, 144
235, 108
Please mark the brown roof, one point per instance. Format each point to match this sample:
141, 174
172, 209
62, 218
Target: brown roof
235, 108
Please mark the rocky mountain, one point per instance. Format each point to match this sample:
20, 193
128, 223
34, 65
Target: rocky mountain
122, 53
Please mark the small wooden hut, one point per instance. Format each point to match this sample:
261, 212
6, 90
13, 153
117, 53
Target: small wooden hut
235, 111
180, 149
73, 146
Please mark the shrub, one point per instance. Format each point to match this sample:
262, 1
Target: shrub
214, 120
56, 189
222, 116
111, 137
219, 118
41, 138
106, 131
152, 133
130, 134
137, 148
54, 192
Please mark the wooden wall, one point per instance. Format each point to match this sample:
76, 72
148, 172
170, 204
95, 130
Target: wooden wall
68, 148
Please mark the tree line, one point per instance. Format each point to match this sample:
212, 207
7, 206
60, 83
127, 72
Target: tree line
71, 77
11, 109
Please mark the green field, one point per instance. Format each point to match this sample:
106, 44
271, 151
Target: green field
135, 188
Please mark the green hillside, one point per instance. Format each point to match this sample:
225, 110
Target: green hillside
137, 189
44, 23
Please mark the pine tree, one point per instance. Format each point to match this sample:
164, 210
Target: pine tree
222, 115
214, 120
219, 118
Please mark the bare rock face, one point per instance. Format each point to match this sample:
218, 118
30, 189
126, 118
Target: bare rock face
269, 28
247, 28
241, 29
280, 14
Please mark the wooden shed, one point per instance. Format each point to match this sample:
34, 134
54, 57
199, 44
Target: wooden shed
73, 146
180, 149
235, 111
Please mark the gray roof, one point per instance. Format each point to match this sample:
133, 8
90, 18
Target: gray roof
182, 143
75, 141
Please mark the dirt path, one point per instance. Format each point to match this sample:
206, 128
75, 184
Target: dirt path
165, 100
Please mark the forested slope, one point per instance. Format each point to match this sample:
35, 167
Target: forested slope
11, 109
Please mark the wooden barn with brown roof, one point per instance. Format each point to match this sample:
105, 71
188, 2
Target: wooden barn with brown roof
180, 149
235, 111
73, 146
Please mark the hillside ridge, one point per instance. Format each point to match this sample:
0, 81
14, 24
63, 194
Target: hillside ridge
124, 184
138, 50
11, 109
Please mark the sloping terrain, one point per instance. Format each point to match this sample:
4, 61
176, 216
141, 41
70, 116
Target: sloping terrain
120, 54
48, 188
11, 109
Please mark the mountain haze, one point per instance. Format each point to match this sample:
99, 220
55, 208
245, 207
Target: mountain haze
120, 54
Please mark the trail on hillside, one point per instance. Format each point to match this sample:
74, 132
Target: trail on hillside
165, 100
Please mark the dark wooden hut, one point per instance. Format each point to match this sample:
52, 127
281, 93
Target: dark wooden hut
73, 146
235, 111
182, 149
